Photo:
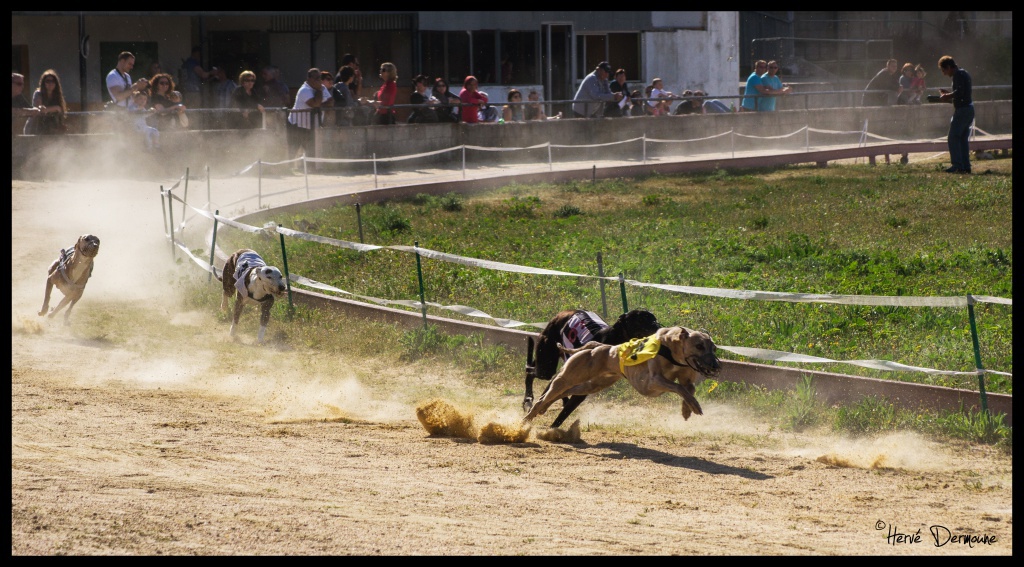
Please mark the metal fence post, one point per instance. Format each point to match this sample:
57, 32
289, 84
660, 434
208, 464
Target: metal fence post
419, 276
170, 214
305, 174
184, 200
600, 274
213, 245
359, 221
977, 354
622, 291
163, 208
287, 281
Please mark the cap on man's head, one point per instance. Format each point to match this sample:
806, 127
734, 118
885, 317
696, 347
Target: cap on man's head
605, 66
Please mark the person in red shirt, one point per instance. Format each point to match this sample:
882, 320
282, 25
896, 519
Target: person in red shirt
387, 93
472, 100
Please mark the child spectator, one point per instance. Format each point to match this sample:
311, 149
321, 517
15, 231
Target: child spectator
138, 105
917, 86
661, 107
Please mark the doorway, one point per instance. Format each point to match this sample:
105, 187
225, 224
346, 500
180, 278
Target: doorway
556, 53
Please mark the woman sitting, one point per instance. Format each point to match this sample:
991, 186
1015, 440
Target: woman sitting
448, 102
513, 112
473, 101
169, 112
422, 114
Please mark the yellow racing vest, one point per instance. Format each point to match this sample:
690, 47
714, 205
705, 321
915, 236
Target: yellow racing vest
637, 351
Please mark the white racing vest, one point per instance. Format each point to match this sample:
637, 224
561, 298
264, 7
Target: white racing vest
246, 261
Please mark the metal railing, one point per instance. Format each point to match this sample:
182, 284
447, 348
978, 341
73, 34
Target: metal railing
105, 121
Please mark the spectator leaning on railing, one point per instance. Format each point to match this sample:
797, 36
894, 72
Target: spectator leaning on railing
773, 87
21, 108
885, 80
472, 100
594, 92
754, 88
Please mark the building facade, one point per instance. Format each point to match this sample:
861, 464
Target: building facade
550, 51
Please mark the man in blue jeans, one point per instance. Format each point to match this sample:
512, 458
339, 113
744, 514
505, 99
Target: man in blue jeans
963, 115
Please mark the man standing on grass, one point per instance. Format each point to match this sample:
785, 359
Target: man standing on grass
963, 115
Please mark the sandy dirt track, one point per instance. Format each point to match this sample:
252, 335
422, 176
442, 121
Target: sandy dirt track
153, 445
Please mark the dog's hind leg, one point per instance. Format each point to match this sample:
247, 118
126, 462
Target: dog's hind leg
67, 314
531, 373
64, 303
239, 304
568, 406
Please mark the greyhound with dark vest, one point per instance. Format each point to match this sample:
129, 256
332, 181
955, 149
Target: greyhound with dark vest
573, 329
70, 272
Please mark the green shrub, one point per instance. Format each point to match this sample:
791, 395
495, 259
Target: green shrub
523, 207
390, 220
566, 211
652, 200
451, 202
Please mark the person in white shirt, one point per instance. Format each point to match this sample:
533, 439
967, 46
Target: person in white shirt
312, 96
119, 82
660, 107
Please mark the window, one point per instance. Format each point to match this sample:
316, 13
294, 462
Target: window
19, 60
621, 50
453, 56
445, 55
484, 64
519, 58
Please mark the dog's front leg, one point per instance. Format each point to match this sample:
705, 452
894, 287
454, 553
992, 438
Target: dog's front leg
652, 384
264, 320
46, 297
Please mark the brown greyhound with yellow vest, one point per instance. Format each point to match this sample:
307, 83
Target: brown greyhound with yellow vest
673, 359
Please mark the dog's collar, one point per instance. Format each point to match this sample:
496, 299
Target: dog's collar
265, 299
664, 351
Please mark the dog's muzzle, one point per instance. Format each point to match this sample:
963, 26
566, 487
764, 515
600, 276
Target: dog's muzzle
90, 248
709, 366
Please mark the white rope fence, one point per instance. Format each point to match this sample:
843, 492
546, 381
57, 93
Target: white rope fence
862, 134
